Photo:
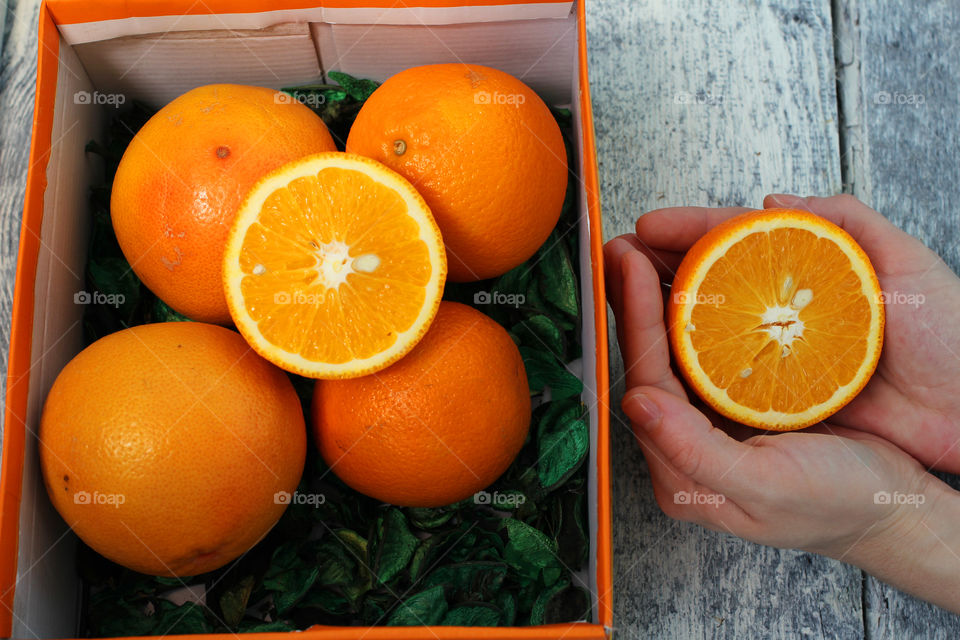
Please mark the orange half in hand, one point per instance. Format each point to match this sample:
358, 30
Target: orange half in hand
776, 318
334, 266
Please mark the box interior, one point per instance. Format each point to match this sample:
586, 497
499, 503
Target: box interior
538, 45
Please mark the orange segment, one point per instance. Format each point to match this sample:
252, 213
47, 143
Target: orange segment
776, 318
334, 267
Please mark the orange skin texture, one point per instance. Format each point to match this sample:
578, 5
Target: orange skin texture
681, 285
436, 427
184, 175
193, 429
484, 151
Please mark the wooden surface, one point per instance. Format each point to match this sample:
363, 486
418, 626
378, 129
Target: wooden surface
719, 103
713, 103
904, 130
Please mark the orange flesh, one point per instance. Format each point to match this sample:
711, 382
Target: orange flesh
736, 344
303, 240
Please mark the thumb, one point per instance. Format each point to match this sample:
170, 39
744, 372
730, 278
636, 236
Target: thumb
878, 236
691, 444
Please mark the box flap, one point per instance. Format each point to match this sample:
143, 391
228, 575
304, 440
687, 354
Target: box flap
81, 22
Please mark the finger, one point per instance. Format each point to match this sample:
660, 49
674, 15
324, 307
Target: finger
613, 252
665, 262
646, 353
872, 231
691, 445
677, 228
681, 498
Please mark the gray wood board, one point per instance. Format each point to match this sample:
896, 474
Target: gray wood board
709, 103
18, 68
901, 67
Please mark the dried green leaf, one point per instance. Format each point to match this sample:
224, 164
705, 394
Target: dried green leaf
291, 585
563, 446
474, 580
188, 618
472, 615
544, 370
233, 601
267, 627
396, 545
423, 518
508, 608
561, 603
528, 550
542, 333
358, 89
559, 281
163, 313
425, 608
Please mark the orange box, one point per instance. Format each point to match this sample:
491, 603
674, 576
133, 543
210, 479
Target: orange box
153, 50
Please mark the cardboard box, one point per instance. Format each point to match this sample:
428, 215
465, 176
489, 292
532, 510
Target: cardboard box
153, 50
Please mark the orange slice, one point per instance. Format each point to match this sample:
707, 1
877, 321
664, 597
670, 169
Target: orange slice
334, 266
776, 318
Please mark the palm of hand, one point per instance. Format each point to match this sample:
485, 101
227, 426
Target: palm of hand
912, 399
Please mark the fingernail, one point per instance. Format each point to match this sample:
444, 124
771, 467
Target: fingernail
778, 198
643, 411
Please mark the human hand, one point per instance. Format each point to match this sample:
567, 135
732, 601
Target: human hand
814, 489
913, 398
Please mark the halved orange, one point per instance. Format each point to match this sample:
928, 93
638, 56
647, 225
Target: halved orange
334, 266
776, 318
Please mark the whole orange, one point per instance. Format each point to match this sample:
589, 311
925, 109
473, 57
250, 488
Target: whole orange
164, 446
484, 151
184, 175
437, 426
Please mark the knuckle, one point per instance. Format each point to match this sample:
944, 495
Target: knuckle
687, 460
847, 199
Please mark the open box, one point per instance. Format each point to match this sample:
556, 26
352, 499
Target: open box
154, 50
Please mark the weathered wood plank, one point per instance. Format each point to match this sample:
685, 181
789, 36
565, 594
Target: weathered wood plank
902, 67
3, 24
706, 103
18, 65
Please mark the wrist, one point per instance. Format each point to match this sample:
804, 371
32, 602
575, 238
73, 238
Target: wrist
903, 529
916, 548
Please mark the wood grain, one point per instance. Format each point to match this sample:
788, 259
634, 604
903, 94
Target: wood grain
706, 103
18, 67
902, 67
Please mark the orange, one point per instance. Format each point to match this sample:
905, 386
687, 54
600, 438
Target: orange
168, 447
482, 148
185, 173
334, 267
776, 318
436, 427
